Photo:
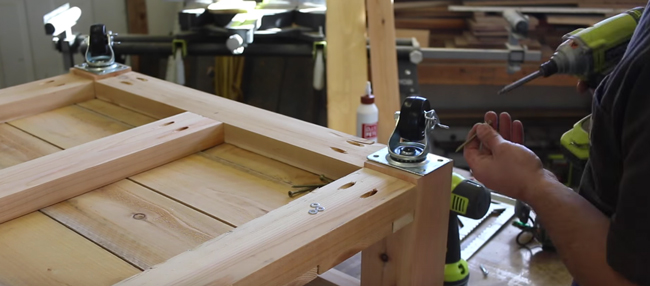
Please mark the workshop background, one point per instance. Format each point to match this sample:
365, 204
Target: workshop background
460, 86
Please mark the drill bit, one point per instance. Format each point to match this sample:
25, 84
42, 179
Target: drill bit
520, 82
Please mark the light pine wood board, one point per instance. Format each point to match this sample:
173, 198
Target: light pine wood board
232, 195
107, 215
44, 95
35, 249
297, 143
136, 223
347, 63
48, 180
288, 242
17, 146
383, 61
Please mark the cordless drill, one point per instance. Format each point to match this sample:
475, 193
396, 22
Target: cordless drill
589, 53
468, 199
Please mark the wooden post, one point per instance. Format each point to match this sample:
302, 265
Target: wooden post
383, 63
415, 254
347, 62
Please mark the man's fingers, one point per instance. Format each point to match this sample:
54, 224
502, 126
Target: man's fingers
488, 136
492, 117
517, 132
474, 143
505, 122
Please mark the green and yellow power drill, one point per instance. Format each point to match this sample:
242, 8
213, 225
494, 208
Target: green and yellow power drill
468, 199
589, 53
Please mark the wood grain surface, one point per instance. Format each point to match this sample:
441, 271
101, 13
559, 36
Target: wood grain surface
36, 250
137, 223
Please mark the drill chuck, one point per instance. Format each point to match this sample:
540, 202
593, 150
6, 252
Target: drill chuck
548, 68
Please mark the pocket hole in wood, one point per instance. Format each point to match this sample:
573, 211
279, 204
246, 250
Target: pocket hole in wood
369, 194
168, 123
49, 81
141, 79
350, 184
61, 84
339, 150
355, 143
335, 134
126, 82
182, 128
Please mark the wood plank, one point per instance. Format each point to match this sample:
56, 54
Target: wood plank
304, 145
51, 179
284, 244
421, 35
484, 74
136, 11
414, 255
383, 60
145, 227
43, 95
69, 126
586, 21
347, 63
120, 114
229, 194
433, 24
521, 3
260, 166
525, 9
17, 146
36, 250
113, 215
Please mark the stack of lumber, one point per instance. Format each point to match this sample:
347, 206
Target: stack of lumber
432, 18
478, 24
490, 31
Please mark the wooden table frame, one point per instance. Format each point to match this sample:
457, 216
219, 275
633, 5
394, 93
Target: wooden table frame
397, 219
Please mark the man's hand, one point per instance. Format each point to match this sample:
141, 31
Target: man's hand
499, 161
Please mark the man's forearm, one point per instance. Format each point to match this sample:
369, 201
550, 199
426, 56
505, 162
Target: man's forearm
578, 231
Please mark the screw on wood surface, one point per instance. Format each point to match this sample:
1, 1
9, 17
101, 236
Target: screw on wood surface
298, 192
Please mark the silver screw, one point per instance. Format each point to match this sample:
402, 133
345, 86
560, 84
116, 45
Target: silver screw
312, 212
314, 205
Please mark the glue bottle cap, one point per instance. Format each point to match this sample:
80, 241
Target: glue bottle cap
368, 98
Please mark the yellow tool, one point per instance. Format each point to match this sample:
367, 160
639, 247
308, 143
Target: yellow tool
590, 53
